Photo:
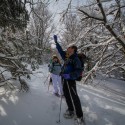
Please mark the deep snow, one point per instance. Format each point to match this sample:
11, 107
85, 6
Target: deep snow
101, 104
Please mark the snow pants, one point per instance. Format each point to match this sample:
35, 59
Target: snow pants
72, 100
57, 84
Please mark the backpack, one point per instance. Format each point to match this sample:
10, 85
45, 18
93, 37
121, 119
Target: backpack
82, 57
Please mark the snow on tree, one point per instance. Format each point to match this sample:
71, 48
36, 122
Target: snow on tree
41, 29
18, 46
13, 17
101, 36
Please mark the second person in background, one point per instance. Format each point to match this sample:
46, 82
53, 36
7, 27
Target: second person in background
55, 69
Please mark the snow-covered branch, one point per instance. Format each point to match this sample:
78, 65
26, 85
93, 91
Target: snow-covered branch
90, 14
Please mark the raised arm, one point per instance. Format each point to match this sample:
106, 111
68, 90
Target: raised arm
59, 48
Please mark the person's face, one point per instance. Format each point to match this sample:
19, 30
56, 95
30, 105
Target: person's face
55, 60
70, 50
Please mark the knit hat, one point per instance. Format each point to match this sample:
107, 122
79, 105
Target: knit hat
54, 56
73, 46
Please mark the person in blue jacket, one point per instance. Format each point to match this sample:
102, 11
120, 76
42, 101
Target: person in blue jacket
71, 70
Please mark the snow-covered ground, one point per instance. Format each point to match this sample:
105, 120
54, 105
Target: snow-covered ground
103, 104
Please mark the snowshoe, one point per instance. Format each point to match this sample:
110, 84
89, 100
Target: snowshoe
79, 121
68, 114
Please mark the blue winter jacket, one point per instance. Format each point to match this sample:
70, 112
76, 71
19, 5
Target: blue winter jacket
72, 65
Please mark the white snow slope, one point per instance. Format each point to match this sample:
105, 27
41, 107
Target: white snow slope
40, 107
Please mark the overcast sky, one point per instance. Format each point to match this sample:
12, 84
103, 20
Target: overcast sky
57, 7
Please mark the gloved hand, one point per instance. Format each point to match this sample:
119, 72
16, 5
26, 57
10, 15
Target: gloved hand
55, 38
66, 76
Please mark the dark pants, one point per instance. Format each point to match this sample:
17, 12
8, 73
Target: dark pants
74, 98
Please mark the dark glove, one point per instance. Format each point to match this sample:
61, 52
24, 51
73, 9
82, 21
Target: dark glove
55, 38
66, 76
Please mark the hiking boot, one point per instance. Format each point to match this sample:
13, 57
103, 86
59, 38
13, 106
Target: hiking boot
79, 121
68, 114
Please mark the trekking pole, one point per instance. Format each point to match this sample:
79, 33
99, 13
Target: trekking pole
49, 85
59, 111
60, 107
46, 79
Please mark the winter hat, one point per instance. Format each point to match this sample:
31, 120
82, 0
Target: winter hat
54, 56
73, 46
